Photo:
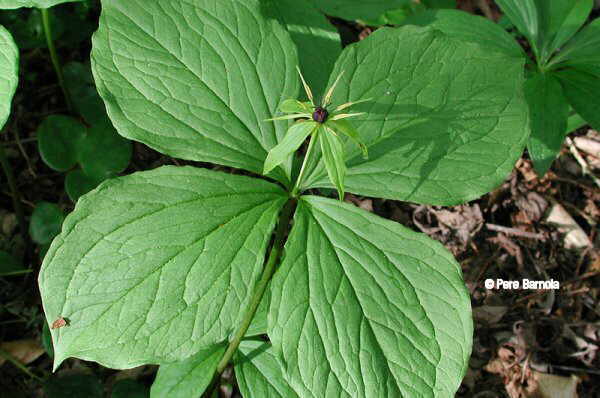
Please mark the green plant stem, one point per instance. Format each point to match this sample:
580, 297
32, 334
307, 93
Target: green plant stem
311, 144
261, 287
19, 365
54, 57
16, 197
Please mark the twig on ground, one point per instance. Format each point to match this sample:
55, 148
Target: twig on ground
514, 231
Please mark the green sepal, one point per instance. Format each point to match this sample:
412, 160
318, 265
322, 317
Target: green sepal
333, 154
295, 106
294, 137
344, 127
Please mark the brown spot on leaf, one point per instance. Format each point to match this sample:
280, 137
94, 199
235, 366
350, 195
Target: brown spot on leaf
59, 323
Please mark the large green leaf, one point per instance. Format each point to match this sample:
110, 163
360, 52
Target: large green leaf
155, 266
196, 79
524, 15
12, 4
318, 41
9, 73
465, 26
258, 372
363, 307
446, 123
560, 20
189, 378
549, 111
582, 90
358, 9
584, 48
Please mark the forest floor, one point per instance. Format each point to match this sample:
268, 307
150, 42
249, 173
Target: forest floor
532, 228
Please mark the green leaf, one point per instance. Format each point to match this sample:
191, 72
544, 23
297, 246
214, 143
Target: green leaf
12, 4
45, 223
472, 28
189, 378
583, 49
128, 388
155, 266
581, 90
345, 127
196, 80
78, 183
318, 41
9, 73
364, 307
560, 20
103, 152
74, 386
357, 9
295, 136
10, 266
446, 126
574, 122
332, 150
80, 84
524, 15
59, 139
258, 372
549, 111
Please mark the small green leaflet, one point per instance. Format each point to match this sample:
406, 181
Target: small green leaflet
59, 140
560, 20
9, 73
196, 80
154, 303
189, 378
583, 49
549, 111
12, 4
45, 222
364, 307
445, 127
258, 372
581, 89
524, 15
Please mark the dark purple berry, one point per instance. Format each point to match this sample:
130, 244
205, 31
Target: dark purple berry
320, 115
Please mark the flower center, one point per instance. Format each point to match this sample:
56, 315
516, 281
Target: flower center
320, 114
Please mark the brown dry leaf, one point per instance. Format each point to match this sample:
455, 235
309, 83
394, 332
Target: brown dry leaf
26, 351
574, 236
552, 386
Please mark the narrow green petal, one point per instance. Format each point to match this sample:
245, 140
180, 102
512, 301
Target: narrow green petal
341, 116
349, 104
327, 98
309, 93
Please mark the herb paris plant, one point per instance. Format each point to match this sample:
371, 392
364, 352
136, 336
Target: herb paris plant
175, 267
564, 71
